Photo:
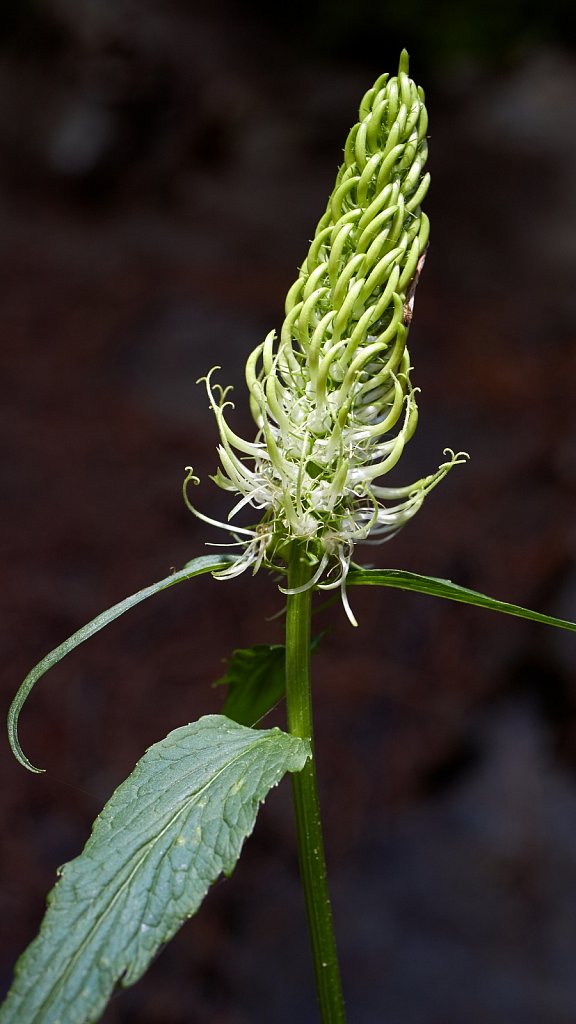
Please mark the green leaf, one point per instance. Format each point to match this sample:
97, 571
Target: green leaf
206, 563
256, 680
167, 833
445, 588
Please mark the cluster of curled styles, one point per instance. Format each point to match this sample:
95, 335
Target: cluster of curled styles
332, 399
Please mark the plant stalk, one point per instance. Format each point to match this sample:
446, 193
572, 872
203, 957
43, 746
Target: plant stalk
305, 794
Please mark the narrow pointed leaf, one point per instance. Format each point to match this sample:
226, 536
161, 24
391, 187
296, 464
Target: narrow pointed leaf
445, 588
206, 563
175, 825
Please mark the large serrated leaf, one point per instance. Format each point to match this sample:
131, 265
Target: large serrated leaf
445, 588
198, 566
167, 833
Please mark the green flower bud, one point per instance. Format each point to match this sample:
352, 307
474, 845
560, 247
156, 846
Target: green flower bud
332, 398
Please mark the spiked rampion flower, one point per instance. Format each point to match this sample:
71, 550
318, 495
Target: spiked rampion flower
332, 398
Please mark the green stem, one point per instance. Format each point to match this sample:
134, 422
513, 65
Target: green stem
305, 793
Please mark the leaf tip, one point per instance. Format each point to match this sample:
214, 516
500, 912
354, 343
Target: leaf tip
23, 760
15, 743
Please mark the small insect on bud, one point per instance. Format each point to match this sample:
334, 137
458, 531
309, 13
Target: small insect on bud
331, 397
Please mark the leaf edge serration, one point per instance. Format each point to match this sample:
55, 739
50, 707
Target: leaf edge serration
126, 938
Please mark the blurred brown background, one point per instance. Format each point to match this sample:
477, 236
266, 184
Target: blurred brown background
162, 166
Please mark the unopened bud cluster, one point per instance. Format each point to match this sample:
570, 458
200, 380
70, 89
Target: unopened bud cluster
332, 398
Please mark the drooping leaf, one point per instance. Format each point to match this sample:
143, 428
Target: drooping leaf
206, 563
256, 680
175, 825
445, 588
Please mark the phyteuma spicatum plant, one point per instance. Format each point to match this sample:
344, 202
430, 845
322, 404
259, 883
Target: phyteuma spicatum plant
334, 407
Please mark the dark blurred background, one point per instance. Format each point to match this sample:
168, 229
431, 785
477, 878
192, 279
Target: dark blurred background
162, 168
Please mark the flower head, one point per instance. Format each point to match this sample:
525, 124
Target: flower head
332, 397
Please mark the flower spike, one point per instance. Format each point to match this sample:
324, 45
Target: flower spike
331, 396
